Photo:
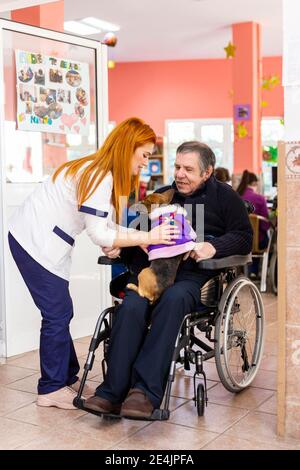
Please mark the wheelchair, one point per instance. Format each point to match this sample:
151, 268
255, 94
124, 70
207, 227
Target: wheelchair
228, 326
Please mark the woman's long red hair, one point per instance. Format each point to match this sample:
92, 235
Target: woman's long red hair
115, 156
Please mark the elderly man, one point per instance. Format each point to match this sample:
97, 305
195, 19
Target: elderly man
139, 358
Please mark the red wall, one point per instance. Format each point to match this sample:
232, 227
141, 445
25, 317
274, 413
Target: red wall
156, 91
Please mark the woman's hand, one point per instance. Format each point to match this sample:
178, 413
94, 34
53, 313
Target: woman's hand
163, 234
111, 252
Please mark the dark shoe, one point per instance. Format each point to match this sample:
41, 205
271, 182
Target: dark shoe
137, 405
102, 405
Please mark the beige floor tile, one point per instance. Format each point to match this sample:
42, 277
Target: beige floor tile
81, 349
13, 358
10, 373
271, 314
84, 339
14, 434
11, 400
28, 384
107, 432
269, 406
175, 403
45, 417
183, 386
259, 427
269, 362
225, 442
60, 440
209, 369
30, 360
271, 347
248, 399
217, 418
96, 379
265, 379
161, 435
269, 298
271, 333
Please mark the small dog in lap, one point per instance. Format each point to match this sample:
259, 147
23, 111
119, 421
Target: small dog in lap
165, 259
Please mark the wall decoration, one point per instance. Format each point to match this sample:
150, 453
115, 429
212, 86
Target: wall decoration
264, 104
154, 167
242, 112
271, 82
52, 94
241, 130
111, 64
230, 50
270, 154
293, 160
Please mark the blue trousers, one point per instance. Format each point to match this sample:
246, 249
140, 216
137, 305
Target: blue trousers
50, 293
141, 358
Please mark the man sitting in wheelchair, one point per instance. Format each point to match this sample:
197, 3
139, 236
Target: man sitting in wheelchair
139, 356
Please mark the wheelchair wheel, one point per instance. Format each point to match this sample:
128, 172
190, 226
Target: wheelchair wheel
239, 333
273, 273
200, 400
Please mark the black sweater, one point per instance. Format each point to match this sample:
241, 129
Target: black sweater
226, 222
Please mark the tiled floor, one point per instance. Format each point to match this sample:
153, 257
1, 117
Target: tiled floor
243, 421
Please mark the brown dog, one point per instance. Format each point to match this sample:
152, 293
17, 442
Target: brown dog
161, 273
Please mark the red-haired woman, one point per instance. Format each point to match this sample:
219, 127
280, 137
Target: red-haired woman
82, 194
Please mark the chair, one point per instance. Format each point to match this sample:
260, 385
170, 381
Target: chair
258, 252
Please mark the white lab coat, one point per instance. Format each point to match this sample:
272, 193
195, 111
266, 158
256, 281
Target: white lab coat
49, 220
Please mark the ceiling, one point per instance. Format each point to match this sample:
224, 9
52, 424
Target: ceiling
178, 29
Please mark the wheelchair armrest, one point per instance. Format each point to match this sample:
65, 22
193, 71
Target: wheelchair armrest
108, 261
228, 262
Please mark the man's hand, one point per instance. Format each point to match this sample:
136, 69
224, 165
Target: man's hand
203, 251
111, 252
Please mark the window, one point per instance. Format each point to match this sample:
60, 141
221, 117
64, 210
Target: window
217, 133
272, 130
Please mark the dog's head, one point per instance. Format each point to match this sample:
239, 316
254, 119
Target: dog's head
152, 201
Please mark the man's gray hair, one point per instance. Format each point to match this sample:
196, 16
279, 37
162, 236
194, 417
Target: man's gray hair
207, 157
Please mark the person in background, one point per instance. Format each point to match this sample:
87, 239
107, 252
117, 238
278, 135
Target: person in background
248, 190
222, 174
83, 194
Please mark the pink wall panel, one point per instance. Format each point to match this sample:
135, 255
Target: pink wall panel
157, 91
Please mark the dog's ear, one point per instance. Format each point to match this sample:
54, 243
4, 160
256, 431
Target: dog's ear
159, 198
167, 196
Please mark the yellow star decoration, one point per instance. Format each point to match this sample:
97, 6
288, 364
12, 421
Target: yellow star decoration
264, 104
242, 131
111, 64
269, 83
230, 50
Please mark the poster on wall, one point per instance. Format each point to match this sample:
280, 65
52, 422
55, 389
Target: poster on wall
52, 94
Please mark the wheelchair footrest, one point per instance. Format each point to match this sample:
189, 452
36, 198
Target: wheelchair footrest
79, 403
157, 414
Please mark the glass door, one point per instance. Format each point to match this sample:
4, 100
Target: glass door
54, 109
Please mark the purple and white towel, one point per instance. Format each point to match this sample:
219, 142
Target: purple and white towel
176, 216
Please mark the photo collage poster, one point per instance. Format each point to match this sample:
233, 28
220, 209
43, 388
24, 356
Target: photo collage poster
53, 94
